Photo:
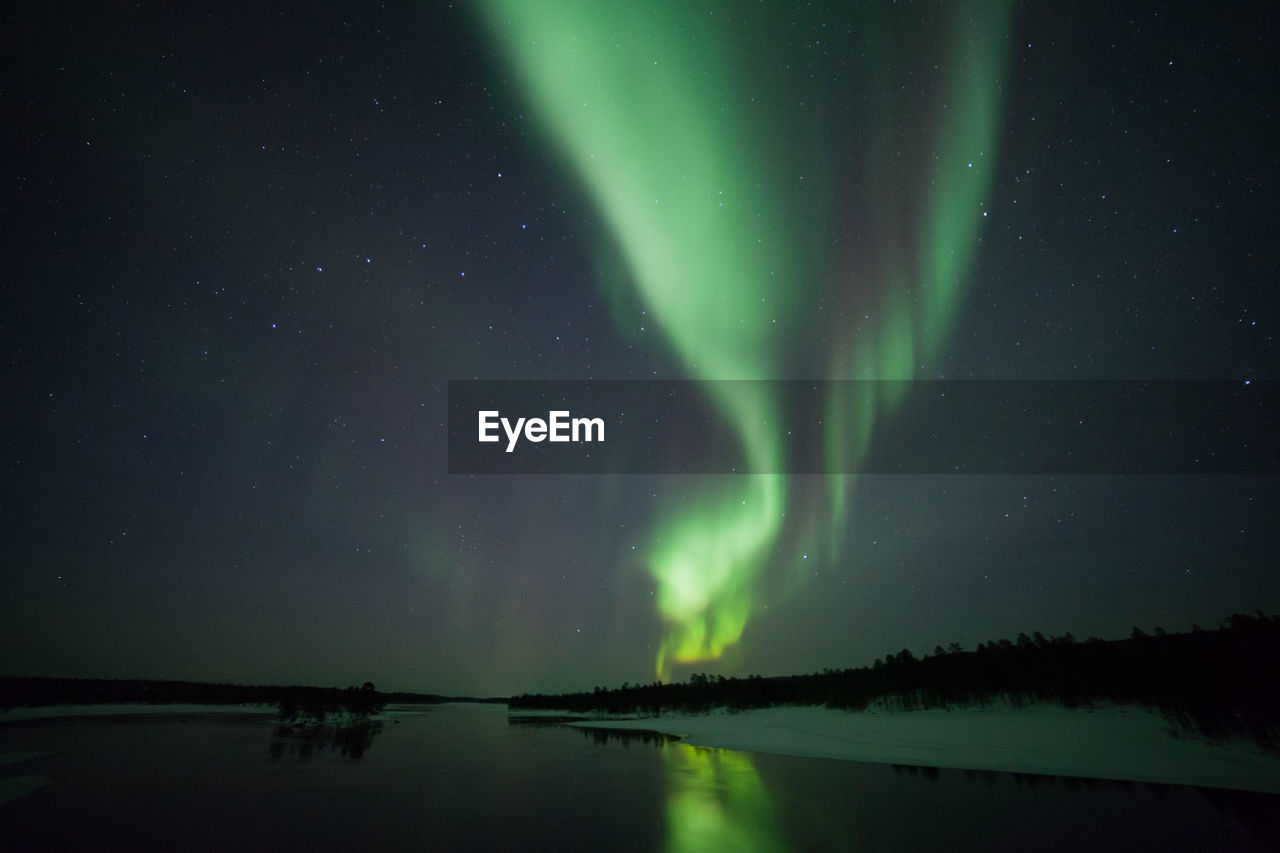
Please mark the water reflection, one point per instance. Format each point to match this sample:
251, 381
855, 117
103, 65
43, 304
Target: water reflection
626, 737
542, 720
715, 801
930, 773
714, 797
350, 740
143, 783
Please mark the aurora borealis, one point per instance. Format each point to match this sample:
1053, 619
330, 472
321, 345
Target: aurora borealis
704, 247
650, 109
252, 247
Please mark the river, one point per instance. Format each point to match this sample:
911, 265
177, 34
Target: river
469, 777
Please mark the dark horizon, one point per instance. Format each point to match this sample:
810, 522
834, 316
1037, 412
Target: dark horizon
950, 648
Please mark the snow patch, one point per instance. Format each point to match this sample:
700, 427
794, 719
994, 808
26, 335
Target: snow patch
1129, 743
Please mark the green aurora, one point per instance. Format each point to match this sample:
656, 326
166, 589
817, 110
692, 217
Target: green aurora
676, 139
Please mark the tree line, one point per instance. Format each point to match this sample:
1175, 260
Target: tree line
294, 702
1216, 683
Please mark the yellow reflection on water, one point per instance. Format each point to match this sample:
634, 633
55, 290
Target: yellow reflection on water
715, 801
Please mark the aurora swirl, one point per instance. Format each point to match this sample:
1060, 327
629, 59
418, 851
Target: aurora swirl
656, 109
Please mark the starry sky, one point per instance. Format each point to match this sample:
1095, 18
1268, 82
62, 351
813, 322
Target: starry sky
251, 245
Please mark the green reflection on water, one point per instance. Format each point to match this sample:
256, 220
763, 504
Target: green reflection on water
716, 801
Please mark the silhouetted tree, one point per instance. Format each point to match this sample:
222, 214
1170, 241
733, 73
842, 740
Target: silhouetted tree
1215, 683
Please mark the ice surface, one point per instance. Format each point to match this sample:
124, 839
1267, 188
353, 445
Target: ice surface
1118, 742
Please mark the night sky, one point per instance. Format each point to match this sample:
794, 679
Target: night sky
249, 247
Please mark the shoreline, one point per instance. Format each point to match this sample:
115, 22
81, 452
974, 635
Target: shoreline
1117, 743
129, 709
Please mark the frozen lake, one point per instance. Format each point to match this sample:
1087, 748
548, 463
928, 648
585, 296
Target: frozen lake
465, 777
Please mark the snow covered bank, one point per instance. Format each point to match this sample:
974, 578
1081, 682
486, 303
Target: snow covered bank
1122, 743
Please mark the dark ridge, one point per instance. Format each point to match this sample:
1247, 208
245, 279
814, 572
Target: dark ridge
294, 702
1213, 683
